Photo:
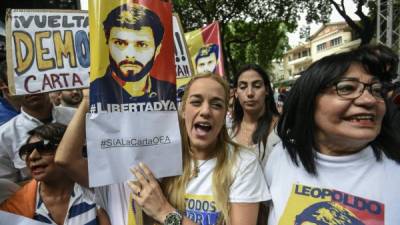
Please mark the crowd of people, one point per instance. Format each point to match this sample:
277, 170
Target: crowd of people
327, 153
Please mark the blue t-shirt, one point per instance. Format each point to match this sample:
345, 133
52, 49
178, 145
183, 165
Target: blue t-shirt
7, 112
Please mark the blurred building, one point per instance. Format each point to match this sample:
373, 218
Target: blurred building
332, 38
329, 39
276, 71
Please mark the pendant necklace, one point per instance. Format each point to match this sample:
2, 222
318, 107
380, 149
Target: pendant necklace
196, 168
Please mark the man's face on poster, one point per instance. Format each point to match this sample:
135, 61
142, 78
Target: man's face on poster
131, 50
207, 63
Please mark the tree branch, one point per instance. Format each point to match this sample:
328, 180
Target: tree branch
348, 20
359, 11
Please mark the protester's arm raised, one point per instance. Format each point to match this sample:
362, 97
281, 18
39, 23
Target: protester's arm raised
69, 152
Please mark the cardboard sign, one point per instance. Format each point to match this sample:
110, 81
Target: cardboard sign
47, 50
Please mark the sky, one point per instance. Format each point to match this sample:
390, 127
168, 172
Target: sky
84, 4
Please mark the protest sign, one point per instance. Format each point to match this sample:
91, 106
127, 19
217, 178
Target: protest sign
183, 62
47, 50
9, 218
133, 114
182, 58
205, 48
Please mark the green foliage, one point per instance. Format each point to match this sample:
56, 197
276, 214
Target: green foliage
255, 43
253, 31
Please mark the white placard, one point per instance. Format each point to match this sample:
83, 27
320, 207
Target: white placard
119, 141
47, 50
182, 57
9, 218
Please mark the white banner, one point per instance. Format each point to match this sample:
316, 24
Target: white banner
47, 50
119, 141
9, 218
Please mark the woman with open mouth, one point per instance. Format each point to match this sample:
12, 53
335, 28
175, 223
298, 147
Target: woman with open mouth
221, 183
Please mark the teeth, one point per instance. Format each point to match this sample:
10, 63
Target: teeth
363, 117
204, 124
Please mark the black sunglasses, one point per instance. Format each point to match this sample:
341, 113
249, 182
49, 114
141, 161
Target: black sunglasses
44, 149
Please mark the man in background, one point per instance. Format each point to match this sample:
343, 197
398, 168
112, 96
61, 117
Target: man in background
70, 98
9, 105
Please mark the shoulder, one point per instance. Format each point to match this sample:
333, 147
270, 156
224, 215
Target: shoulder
244, 159
279, 153
18, 118
85, 193
160, 83
392, 167
27, 195
246, 154
278, 161
101, 80
6, 112
248, 181
18, 123
63, 114
164, 89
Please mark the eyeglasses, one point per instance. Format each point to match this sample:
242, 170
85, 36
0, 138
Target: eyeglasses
43, 148
352, 89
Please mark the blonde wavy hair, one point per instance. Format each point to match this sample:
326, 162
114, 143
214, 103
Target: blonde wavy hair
175, 187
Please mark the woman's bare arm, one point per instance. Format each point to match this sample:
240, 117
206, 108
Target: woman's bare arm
69, 152
244, 213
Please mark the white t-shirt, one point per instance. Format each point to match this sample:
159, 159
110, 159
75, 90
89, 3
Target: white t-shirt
355, 188
14, 134
261, 151
248, 186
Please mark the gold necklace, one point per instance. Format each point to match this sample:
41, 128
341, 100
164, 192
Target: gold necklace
196, 168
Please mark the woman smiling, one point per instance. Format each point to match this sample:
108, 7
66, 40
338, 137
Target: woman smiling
333, 166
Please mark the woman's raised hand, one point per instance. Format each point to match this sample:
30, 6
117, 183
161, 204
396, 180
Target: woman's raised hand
148, 194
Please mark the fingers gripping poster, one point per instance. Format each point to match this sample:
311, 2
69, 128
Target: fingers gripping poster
47, 50
132, 116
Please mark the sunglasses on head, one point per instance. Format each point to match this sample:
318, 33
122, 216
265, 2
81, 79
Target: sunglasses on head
43, 147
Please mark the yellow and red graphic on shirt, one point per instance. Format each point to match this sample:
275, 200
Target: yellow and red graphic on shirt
135, 213
205, 49
314, 205
201, 209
